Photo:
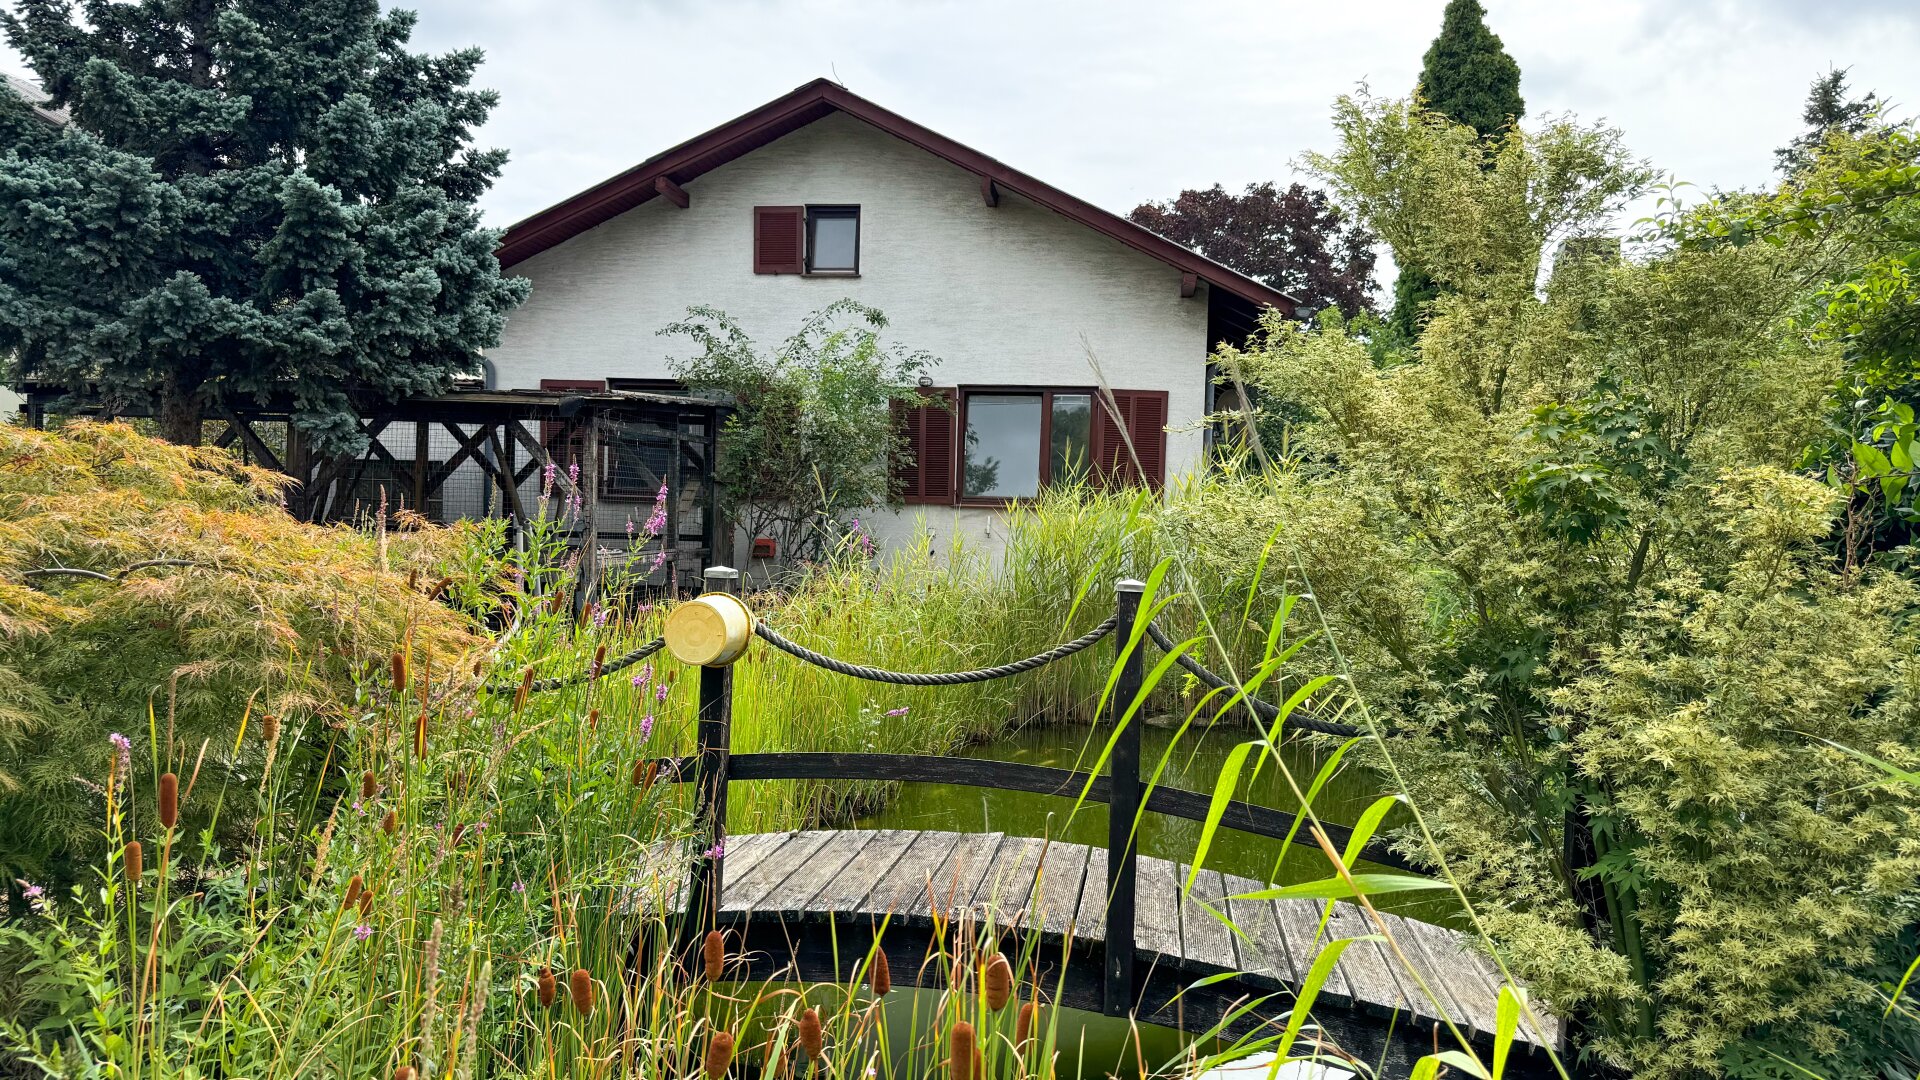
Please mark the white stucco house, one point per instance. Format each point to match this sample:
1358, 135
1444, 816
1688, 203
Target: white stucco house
1010, 282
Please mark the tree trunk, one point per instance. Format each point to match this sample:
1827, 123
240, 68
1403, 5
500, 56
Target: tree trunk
181, 413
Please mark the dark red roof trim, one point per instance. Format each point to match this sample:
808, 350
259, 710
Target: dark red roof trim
803, 106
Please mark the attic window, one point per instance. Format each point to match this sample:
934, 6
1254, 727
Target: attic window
833, 239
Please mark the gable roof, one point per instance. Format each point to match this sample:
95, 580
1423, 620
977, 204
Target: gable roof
819, 98
35, 98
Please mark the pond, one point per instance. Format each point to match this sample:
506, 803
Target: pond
1195, 764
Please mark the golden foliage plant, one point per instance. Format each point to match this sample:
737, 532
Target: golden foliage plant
163, 592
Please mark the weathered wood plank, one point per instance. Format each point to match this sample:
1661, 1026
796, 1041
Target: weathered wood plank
1204, 939
1008, 885
1056, 890
744, 892
1263, 950
907, 880
1437, 951
950, 889
1090, 921
1156, 923
1367, 967
806, 881
857, 880
1300, 921
1442, 1005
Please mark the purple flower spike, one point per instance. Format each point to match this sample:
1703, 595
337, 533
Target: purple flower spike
519, 886
362, 932
646, 727
901, 711
661, 693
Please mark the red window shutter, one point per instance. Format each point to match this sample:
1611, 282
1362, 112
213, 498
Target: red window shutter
779, 239
551, 430
1142, 416
926, 471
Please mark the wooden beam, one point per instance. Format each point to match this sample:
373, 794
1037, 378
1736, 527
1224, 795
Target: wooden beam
1189, 284
671, 192
989, 193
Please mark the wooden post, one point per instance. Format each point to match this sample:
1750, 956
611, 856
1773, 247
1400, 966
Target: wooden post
713, 738
588, 587
1123, 805
420, 467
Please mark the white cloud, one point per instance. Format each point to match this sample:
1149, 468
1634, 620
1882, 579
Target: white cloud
1127, 100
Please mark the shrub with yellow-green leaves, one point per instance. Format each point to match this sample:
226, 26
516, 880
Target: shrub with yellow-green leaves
162, 592
1569, 559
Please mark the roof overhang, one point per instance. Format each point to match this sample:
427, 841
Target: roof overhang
791, 112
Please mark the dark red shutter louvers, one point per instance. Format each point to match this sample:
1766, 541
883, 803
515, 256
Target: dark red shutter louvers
779, 239
926, 471
1130, 439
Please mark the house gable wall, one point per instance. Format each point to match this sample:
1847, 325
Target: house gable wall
1012, 294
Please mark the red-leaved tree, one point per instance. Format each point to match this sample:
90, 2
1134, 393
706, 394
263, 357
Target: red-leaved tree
1292, 239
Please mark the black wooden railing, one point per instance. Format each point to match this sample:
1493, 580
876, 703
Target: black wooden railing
713, 766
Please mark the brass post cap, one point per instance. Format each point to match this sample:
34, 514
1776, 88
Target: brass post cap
710, 630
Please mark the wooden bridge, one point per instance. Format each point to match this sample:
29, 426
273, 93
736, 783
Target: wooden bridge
1127, 938
809, 905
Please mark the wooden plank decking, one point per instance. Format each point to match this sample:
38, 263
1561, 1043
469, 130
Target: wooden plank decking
1059, 889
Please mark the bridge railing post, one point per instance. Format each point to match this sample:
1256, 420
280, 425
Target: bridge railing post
1123, 805
713, 739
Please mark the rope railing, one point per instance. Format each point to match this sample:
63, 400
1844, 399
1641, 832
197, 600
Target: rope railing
624, 660
938, 678
1265, 710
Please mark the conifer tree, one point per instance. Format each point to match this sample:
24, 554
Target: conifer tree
1468, 78
253, 197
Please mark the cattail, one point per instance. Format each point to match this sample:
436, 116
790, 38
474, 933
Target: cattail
580, 990
270, 729
366, 904
169, 800
719, 1055
879, 976
1023, 1025
640, 772
368, 785
413, 578
599, 658
998, 980
399, 665
593, 720
960, 1050
353, 892
458, 832
439, 588
713, 952
811, 1038
391, 822
134, 866
548, 985
653, 773
405, 1072
526, 687
555, 599
420, 735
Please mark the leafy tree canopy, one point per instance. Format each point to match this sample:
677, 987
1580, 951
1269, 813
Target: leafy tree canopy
1574, 562
1293, 240
811, 440
253, 198
1468, 78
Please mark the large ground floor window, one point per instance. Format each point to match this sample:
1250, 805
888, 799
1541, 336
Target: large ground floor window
985, 446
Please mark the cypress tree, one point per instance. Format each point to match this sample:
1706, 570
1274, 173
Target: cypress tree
1468, 78
253, 198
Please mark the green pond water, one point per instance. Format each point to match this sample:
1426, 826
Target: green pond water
1195, 764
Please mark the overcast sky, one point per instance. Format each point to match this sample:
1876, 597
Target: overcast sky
1122, 100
